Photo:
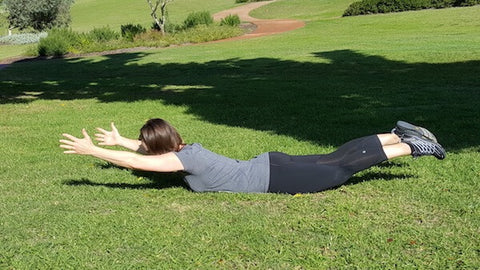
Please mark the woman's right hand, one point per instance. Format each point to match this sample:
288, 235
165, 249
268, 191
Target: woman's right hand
110, 138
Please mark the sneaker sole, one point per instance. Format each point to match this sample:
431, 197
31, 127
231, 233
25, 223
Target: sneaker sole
412, 130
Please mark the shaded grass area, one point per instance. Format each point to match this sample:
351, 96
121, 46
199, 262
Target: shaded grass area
361, 93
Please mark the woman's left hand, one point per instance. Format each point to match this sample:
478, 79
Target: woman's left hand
76, 145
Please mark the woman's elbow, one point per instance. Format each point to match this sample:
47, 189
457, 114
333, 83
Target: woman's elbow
142, 164
159, 163
134, 163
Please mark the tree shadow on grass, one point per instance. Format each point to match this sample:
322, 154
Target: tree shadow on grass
328, 102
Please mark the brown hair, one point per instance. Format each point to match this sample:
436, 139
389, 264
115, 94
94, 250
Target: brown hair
160, 137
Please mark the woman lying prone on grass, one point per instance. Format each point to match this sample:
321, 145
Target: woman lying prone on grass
161, 149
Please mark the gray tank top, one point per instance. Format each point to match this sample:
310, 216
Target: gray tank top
208, 171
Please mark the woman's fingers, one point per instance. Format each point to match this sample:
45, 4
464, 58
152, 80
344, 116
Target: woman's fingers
72, 138
85, 134
106, 137
102, 130
101, 136
69, 146
67, 142
74, 145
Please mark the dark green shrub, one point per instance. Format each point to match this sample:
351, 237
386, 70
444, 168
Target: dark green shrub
58, 42
155, 26
360, 8
103, 34
464, 3
197, 18
441, 3
169, 27
173, 28
231, 20
52, 47
129, 31
385, 6
39, 14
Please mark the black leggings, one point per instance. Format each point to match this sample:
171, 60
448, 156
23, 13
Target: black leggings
313, 173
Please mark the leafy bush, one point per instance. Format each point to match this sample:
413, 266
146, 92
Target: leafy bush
38, 14
466, 3
63, 41
169, 27
58, 42
154, 38
231, 20
442, 3
197, 18
129, 31
103, 34
385, 6
27, 38
202, 33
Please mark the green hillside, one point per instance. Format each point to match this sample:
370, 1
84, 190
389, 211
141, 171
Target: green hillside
88, 14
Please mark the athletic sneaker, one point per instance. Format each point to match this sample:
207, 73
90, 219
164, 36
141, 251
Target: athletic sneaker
405, 130
424, 147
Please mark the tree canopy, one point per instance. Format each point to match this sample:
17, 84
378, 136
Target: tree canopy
38, 14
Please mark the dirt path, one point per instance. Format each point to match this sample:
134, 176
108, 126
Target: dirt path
262, 28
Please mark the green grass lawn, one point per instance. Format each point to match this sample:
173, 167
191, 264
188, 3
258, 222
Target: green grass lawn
302, 92
8, 51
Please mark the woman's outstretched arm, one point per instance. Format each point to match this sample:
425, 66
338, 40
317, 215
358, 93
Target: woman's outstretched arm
168, 162
113, 138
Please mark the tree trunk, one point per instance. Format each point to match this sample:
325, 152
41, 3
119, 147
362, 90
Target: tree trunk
154, 12
159, 22
162, 11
